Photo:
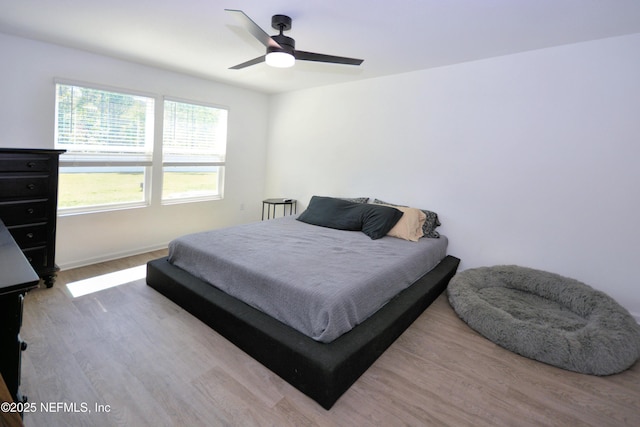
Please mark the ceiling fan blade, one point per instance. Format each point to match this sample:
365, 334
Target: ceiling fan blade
319, 57
253, 28
254, 61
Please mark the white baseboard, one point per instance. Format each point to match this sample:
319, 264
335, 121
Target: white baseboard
110, 257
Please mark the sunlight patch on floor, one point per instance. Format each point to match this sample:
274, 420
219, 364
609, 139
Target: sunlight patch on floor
106, 281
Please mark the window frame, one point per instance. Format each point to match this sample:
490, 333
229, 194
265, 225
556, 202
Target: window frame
220, 164
154, 168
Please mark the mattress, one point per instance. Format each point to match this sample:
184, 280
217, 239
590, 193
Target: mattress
320, 281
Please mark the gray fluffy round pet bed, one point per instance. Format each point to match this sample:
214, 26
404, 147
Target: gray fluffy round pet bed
547, 317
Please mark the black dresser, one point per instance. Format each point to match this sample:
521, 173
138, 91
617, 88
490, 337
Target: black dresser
16, 278
28, 204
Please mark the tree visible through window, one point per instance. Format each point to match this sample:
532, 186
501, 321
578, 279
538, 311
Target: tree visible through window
102, 123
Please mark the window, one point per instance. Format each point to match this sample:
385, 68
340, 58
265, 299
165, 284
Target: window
193, 150
110, 142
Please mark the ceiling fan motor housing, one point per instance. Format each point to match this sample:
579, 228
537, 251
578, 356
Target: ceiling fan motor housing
287, 43
281, 22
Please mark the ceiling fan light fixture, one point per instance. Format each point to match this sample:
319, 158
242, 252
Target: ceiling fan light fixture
280, 59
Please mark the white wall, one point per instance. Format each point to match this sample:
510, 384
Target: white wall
529, 159
27, 120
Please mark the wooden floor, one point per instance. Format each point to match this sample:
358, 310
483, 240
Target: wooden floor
130, 357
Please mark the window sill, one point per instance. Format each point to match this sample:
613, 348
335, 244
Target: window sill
62, 212
190, 200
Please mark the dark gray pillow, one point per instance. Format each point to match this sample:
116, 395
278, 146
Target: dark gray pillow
373, 220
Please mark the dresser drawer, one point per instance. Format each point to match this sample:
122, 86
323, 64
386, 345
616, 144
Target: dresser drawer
11, 162
29, 235
23, 186
37, 257
15, 213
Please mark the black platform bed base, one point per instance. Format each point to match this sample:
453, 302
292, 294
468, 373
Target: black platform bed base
322, 371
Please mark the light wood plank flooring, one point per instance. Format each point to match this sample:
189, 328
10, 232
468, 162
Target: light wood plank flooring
149, 363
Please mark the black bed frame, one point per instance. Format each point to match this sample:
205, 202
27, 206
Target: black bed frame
322, 371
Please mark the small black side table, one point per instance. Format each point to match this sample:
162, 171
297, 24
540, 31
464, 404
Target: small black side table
269, 203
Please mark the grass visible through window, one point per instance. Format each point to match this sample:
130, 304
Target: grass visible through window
90, 189
178, 184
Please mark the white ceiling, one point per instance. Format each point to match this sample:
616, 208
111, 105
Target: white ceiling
199, 38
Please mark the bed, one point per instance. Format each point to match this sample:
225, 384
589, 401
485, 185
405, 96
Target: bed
243, 282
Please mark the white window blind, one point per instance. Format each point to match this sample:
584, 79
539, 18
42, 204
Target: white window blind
194, 134
99, 126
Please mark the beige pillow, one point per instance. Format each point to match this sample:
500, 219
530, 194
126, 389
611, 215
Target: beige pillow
410, 225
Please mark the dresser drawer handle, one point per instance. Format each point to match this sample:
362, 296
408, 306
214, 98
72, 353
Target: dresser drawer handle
30, 259
30, 211
23, 345
31, 164
31, 186
29, 235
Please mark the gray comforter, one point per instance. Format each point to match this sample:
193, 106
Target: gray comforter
318, 280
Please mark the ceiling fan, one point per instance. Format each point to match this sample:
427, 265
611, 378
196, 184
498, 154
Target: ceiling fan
281, 50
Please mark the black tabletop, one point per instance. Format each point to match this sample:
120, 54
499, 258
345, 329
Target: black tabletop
283, 201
